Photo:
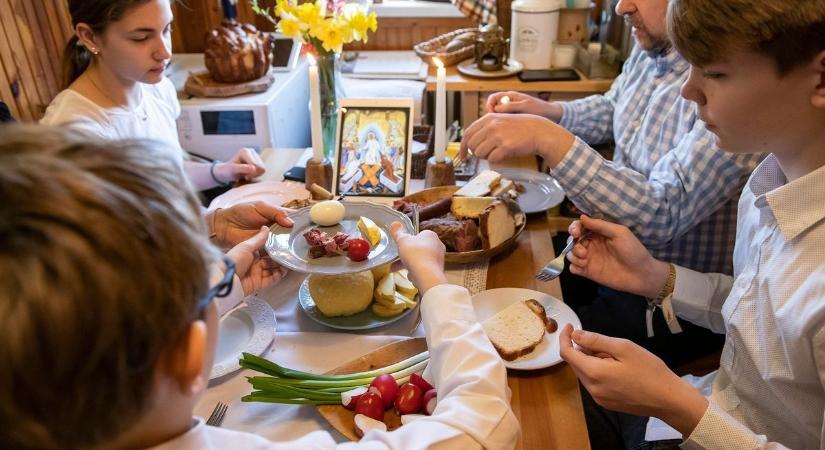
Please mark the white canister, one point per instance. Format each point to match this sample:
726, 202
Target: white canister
533, 30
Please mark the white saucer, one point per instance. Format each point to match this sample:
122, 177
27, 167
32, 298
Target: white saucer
249, 328
469, 68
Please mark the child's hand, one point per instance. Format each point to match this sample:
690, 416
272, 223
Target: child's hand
239, 222
622, 376
423, 255
245, 165
255, 271
612, 256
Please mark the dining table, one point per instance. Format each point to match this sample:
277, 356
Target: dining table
546, 402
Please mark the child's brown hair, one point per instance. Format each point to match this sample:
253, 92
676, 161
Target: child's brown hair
103, 256
790, 32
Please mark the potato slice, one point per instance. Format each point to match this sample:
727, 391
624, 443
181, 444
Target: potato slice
404, 286
382, 311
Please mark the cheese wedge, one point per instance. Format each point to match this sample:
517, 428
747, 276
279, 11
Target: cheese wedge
404, 286
504, 186
470, 207
480, 186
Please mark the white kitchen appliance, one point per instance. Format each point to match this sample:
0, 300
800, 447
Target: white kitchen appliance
533, 31
217, 127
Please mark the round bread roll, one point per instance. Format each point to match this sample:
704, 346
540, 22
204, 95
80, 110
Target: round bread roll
342, 295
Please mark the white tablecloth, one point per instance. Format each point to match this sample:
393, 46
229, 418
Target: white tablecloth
300, 343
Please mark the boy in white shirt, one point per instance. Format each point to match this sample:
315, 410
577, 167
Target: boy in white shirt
107, 324
758, 77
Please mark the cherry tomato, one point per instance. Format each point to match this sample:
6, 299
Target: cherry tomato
358, 249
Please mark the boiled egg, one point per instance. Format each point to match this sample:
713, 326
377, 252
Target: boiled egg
327, 213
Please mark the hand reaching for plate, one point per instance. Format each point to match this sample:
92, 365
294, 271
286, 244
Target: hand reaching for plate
233, 225
255, 271
423, 255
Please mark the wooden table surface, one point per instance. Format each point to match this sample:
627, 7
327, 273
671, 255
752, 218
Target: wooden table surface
456, 81
546, 402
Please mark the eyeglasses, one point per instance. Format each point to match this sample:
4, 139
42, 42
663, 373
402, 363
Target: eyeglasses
221, 289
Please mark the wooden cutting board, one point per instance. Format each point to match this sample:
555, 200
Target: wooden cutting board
343, 419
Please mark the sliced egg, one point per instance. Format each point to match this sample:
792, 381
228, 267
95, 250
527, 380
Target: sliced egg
327, 213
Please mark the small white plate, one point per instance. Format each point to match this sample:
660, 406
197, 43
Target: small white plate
249, 328
489, 303
469, 68
541, 191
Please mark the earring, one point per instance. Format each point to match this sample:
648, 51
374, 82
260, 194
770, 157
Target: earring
94, 51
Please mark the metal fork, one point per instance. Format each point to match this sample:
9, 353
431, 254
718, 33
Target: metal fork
217, 415
553, 269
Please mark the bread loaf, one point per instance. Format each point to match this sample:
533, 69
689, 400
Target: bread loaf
235, 53
516, 330
496, 225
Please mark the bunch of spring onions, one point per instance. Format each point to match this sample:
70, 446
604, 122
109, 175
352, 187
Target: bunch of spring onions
285, 385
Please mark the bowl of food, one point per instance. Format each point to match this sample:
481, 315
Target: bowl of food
475, 222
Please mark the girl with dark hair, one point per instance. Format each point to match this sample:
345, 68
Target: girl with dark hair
116, 88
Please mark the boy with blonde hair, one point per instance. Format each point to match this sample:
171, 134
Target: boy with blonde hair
107, 324
758, 78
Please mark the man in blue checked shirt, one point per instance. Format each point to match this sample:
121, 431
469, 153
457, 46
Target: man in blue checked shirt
668, 181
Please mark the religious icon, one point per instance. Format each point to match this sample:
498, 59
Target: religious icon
373, 142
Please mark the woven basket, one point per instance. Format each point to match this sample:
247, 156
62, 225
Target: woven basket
422, 133
435, 47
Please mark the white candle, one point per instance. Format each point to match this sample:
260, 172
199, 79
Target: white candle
440, 111
315, 111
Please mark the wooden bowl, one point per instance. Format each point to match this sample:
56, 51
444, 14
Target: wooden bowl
343, 419
431, 195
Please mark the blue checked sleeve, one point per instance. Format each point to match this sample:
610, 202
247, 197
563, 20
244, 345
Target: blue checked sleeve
684, 187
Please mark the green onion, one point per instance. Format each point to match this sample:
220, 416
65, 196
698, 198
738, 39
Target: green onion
290, 386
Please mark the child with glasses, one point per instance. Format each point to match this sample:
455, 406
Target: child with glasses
108, 326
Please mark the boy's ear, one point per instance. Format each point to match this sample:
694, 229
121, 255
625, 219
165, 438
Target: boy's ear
185, 360
818, 99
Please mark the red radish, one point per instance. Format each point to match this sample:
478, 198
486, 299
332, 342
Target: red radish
350, 398
386, 387
430, 400
419, 381
364, 425
370, 405
409, 400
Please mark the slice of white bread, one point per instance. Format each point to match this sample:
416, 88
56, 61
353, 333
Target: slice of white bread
469, 207
480, 186
496, 224
517, 329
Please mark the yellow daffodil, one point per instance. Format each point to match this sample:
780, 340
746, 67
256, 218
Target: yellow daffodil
314, 22
290, 28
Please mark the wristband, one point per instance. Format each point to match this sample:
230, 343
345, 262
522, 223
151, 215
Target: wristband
212, 174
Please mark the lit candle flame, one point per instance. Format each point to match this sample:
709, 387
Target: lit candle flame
311, 59
438, 63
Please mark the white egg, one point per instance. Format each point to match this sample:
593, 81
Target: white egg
327, 213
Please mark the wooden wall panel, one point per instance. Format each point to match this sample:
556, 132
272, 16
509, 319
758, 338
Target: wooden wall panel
32, 37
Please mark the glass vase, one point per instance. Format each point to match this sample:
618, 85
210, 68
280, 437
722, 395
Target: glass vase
330, 90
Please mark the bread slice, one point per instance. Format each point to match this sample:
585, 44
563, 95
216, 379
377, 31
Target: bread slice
516, 330
496, 225
470, 207
480, 186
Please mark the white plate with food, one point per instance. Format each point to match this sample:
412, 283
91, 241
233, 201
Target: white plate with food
513, 324
249, 328
537, 191
319, 241
347, 311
